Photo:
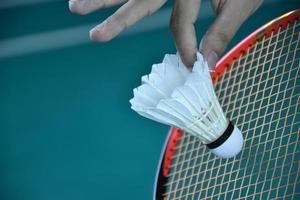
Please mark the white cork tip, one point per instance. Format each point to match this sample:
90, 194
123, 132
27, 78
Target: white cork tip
232, 146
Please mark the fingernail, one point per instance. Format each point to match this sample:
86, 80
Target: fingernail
212, 60
98, 32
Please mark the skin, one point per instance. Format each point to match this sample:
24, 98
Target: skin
230, 16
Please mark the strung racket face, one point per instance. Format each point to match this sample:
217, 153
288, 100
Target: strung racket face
259, 89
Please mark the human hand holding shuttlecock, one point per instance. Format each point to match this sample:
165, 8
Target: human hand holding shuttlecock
172, 94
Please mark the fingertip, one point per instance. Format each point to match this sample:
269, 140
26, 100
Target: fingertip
212, 59
211, 48
188, 59
187, 63
72, 5
97, 35
76, 7
100, 33
209, 55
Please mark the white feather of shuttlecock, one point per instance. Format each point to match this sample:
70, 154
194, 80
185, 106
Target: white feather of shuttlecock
159, 84
173, 95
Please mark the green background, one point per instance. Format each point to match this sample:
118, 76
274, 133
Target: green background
66, 127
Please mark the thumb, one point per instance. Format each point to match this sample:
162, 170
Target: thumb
230, 17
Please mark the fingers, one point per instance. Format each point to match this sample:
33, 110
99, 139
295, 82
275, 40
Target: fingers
184, 15
231, 15
83, 7
127, 15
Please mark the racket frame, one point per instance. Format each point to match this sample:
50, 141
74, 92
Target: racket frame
240, 49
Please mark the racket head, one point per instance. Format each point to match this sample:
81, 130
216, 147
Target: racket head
284, 29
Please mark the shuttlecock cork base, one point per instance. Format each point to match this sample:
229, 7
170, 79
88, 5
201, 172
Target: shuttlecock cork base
229, 144
173, 95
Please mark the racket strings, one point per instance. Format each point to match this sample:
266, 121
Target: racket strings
250, 156
270, 104
232, 94
255, 107
260, 93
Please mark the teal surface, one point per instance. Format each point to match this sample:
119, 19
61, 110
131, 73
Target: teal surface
66, 127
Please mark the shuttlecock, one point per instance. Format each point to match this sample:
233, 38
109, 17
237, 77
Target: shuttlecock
173, 95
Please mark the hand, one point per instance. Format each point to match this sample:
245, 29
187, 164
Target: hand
230, 16
128, 14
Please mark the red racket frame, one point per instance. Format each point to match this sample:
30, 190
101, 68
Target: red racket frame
240, 49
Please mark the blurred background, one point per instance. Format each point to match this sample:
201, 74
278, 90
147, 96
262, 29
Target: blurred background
66, 127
